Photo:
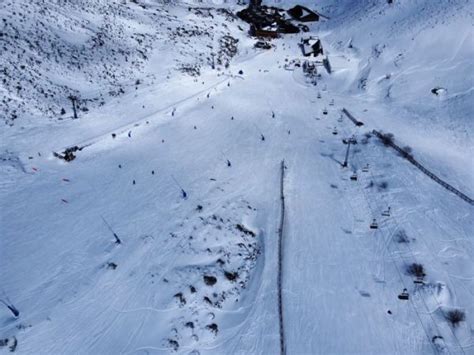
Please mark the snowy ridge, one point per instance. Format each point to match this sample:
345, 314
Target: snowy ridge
93, 50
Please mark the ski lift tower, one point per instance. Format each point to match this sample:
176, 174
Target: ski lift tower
348, 141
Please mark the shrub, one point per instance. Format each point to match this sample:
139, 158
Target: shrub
407, 152
416, 269
382, 185
111, 265
455, 316
387, 138
245, 230
213, 328
231, 276
401, 236
173, 344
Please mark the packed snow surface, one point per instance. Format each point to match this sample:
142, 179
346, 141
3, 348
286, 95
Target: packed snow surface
162, 235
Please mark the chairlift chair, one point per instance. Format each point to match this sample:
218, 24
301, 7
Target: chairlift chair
365, 169
374, 224
331, 103
354, 177
419, 280
334, 131
319, 95
325, 111
404, 295
386, 213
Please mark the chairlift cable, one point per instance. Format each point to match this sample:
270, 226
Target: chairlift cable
394, 220
414, 258
398, 270
401, 279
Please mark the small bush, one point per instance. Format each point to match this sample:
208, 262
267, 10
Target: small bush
455, 316
407, 152
173, 344
387, 138
245, 230
382, 185
111, 265
213, 328
231, 276
401, 236
416, 269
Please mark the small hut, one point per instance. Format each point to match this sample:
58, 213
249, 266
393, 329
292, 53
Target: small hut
311, 46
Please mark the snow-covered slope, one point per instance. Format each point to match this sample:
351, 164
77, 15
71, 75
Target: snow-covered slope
184, 168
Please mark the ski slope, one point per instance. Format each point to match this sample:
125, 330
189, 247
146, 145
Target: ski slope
191, 186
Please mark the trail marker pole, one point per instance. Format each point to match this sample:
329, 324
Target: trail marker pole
185, 195
11, 307
117, 239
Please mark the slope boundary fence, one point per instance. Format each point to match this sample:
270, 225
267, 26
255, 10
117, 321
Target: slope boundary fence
280, 258
352, 118
427, 172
